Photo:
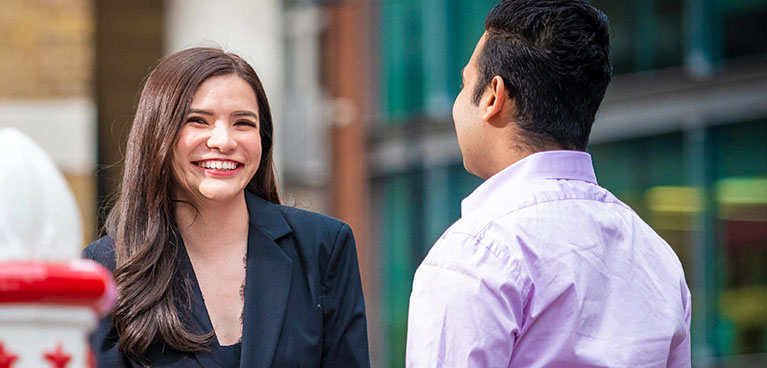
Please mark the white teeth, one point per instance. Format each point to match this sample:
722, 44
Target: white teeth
218, 165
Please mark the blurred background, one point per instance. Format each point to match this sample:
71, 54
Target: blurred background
362, 94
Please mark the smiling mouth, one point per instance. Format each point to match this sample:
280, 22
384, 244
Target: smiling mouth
221, 165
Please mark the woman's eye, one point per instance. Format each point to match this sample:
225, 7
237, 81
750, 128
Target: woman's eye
196, 120
246, 123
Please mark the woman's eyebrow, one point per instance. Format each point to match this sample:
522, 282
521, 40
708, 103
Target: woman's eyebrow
236, 113
245, 113
201, 112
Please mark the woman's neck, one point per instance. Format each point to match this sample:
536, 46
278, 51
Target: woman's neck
216, 227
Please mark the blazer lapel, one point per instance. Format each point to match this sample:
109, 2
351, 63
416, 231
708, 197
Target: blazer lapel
267, 283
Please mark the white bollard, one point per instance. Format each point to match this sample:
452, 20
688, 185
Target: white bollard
50, 300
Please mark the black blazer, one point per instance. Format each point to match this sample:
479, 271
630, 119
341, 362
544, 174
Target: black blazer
303, 297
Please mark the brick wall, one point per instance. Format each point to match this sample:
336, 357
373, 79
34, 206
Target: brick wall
46, 49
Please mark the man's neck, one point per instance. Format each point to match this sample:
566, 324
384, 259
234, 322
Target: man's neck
505, 154
502, 158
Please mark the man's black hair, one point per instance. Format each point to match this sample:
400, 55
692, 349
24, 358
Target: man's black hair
554, 58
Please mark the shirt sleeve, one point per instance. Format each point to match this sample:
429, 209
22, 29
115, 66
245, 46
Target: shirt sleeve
465, 308
345, 340
680, 354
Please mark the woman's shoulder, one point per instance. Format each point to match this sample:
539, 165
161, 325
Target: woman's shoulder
305, 218
317, 228
276, 218
101, 251
330, 239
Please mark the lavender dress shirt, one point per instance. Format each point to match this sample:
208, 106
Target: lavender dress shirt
547, 269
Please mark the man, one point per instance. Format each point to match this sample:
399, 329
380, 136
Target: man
545, 268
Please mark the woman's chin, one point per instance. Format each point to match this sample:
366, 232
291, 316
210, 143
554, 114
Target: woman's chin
217, 195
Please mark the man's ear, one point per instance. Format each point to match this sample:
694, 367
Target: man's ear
495, 99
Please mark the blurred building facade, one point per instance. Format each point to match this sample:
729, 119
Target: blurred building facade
362, 92
46, 57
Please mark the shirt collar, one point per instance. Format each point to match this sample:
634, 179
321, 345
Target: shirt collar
552, 165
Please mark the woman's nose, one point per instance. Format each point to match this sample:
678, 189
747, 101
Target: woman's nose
221, 138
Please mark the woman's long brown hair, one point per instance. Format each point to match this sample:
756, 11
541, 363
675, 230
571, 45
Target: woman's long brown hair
142, 221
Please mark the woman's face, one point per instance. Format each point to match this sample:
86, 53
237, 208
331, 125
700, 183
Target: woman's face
219, 147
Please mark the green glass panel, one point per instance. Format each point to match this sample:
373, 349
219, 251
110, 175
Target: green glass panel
668, 35
703, 31
743, 27
401, 59
619, 168
629, 168
436, 66
468, 24
451, 30
461, 185
438, 209
665, 161
396, 242
644, 34
740, 149
645, 30
424, 45
739, 162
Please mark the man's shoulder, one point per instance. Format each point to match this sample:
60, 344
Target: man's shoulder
485, 243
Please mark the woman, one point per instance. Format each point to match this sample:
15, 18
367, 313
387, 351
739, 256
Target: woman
211, 270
